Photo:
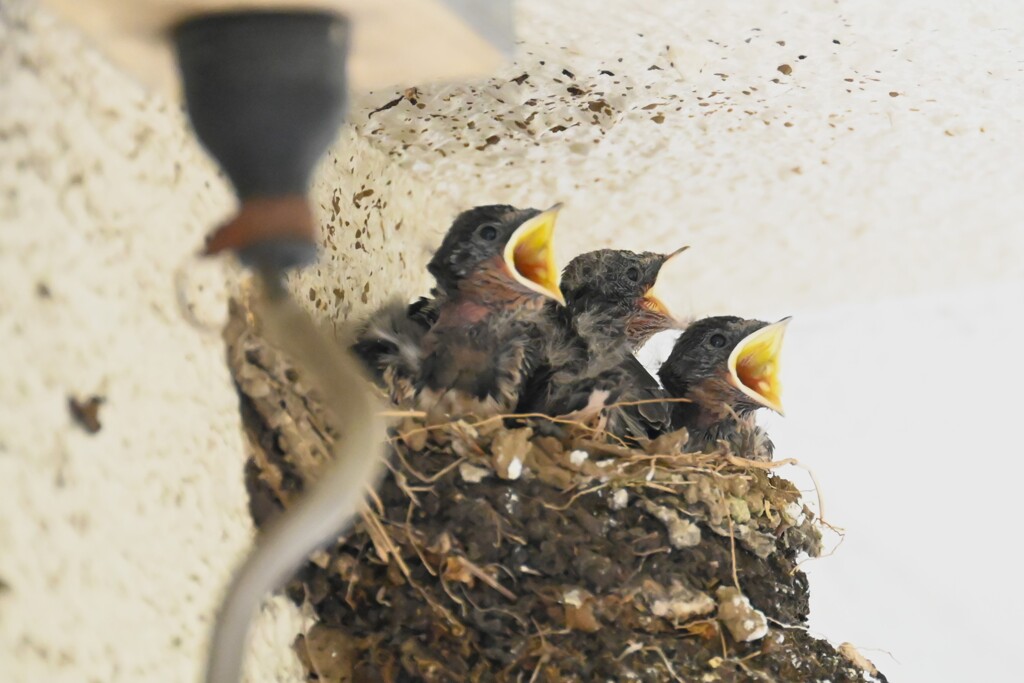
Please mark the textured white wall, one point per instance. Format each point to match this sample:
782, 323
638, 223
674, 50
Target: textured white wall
889, 161
906, 411
114, 546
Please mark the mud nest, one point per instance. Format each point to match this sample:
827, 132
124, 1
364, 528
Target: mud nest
519, 548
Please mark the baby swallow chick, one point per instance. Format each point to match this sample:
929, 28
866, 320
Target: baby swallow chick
728, 368
610, 294
390, 341
496, 269
390, 345
588, 355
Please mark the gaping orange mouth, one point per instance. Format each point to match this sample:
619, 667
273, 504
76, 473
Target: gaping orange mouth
651, 301
530, 255
754, 365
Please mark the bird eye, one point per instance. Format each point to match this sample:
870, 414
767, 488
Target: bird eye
488, 232
633, 274
717, 340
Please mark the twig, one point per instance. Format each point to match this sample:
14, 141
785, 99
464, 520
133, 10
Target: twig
732, 552
493, 418
423, 477
377, 535
574, 497
488, 579
879, 649
372, 493
496, 610
645, 401
540, 662
403, 413
631, 647
415, 546
668, 664
448, 591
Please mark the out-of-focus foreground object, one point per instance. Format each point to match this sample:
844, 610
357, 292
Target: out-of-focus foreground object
394, 42
265, 88
265, 85
324, 510
266, 94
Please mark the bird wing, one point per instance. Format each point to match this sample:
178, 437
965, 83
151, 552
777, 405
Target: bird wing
641, 412
489, 361
556, 385
574, 373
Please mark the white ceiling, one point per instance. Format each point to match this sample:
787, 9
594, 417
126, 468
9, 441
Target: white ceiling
887, 159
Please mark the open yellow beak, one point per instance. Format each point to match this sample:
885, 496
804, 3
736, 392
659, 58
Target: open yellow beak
530, 255
650, 300
754, 365
652, 303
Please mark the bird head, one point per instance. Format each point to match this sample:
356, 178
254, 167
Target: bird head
506, 246
622, 284
651, 270
729, 360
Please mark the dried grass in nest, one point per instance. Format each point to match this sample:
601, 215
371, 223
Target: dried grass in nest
524, 548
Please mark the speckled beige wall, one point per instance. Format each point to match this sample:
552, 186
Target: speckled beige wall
886, 159
811, 153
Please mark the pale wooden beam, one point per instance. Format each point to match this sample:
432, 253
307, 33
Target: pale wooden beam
394, 42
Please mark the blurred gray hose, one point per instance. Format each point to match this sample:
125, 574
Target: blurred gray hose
326, 509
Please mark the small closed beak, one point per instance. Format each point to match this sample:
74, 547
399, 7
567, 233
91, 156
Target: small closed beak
530, 255
754, 365
651, 301
675, 253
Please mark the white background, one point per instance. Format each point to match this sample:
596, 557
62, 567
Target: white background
909, 414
